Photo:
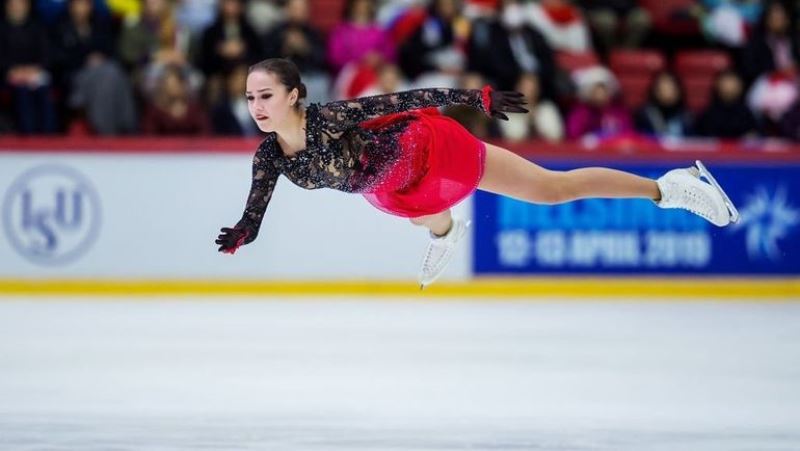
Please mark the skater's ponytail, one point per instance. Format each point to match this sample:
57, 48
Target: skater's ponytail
287, 74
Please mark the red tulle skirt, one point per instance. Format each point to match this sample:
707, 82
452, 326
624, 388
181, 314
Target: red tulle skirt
440, 164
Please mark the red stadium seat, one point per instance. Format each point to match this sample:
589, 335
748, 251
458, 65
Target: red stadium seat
569, 61
672, 17
701, 62
634, 89
698, 92
697, 70
325, 14
635, 70
636, 61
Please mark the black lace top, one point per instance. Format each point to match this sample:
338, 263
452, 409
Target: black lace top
339, 154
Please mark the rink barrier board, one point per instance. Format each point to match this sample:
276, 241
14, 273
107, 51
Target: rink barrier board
638, 288
719, 153
627, 237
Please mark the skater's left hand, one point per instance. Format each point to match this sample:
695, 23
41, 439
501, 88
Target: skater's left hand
232, 238
501, 102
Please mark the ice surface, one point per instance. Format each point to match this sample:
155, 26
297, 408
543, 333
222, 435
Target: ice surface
305, 374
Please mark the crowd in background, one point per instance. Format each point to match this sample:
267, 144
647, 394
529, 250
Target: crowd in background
178, 67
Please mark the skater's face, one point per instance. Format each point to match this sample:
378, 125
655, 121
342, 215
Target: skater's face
268, 100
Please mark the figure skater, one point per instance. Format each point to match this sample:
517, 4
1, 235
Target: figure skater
408, 160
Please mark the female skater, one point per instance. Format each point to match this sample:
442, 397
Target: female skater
408, 160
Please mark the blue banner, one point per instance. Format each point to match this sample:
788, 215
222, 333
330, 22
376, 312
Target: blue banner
620, 236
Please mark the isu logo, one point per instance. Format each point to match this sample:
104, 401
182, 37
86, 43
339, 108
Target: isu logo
51, 215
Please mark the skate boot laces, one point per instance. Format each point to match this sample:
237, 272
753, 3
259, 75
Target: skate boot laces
440, 251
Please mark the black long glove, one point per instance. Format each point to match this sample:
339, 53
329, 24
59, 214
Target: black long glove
499, 102
232, 238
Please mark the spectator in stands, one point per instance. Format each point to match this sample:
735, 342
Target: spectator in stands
152, 36
51, 11
728, 115
125, 10
358, 38
84, 50
618, 23
227, 43
561, 23
770, 97
436, 46
24, 63
153, 41
390, 11
775, 45
195, 15
263, 15
295, 38
390, 79
728, 21
172, 110
474, 9
598, 113
510, 47
230, 115
665, 113
790, 123
6, 126
542, 122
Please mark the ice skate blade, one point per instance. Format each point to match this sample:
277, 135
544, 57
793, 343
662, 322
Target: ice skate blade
704, 172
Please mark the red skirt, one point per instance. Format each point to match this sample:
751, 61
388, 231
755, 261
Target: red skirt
440, 164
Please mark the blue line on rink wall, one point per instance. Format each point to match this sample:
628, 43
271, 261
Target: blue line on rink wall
617, 236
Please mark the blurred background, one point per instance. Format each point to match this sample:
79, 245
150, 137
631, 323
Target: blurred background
125, 144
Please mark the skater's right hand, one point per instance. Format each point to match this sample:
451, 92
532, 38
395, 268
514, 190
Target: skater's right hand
232, 238
507, 101
497, 103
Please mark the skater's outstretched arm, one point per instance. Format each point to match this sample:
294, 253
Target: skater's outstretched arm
349, 113
265, 176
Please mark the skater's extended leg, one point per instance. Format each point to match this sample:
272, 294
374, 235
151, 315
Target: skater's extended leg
509, 174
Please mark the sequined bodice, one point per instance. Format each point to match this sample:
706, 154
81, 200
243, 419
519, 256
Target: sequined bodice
339, 153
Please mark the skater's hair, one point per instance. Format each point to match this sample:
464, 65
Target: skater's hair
287, 74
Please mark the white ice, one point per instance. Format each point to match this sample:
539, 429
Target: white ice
330, 375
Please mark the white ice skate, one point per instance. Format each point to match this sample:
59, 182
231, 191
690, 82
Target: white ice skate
684, 188
440, 252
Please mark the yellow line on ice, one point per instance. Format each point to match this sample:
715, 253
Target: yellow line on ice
520, 288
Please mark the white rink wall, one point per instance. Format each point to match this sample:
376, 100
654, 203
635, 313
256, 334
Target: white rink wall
157, 215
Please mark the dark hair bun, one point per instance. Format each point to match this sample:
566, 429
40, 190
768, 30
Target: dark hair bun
286, 71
